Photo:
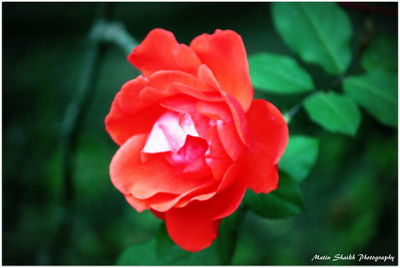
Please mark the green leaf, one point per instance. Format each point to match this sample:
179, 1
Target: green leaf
167, 251
278, 74
139, 254
381, 54
227, 237
334, 112
375, 91
319, 32
207, 256
299, 157
284, 202
162, 251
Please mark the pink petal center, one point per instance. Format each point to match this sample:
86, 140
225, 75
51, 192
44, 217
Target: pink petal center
175, 134
169, 133
193, 150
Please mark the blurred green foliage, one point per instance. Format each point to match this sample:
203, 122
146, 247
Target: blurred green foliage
284, 202
350, 195
319, 32
334, 112
291, 162
382, 53
376, 91
289, 78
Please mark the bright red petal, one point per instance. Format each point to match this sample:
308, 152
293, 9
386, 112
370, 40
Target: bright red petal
137, 204
126, 155
236, 111
136, 106
239, 118
164, 204
230, 139
159, 215
263, 179
155, 175
129, 114
180, 103
162, 79
205, 74
163, 84
268, 142
224, 53
214, 110
190, 230
216, 156
195, 226
160, 51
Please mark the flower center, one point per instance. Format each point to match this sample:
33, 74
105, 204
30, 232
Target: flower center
192, 151
176, 133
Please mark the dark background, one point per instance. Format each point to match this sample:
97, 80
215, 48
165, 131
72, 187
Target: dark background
351, 197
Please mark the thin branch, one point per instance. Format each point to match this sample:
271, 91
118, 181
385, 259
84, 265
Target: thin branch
115, 33
292, 112
71, 130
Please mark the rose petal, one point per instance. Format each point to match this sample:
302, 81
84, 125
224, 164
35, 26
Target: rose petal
159, 199
230, 139
191, 91
236, 110
158, 214
206, 75
182, 203
186, 158
264, 180
128, 99
166, 135
180, 103
186, 122
160, 51
227, 180
195, 226
216, 156
123, 121
192, 194
137, 204
156, 175
190, 230
131, 149
214, 110
163, 84
224, 53
239, 118
162, 79
268, 142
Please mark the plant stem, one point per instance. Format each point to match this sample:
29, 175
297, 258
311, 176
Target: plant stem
229, 232
115, 33
71, 130
103, 33
292, 112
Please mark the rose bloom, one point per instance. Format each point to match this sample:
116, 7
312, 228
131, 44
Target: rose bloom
191, 137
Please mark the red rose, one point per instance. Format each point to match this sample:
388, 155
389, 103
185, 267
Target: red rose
192, 138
